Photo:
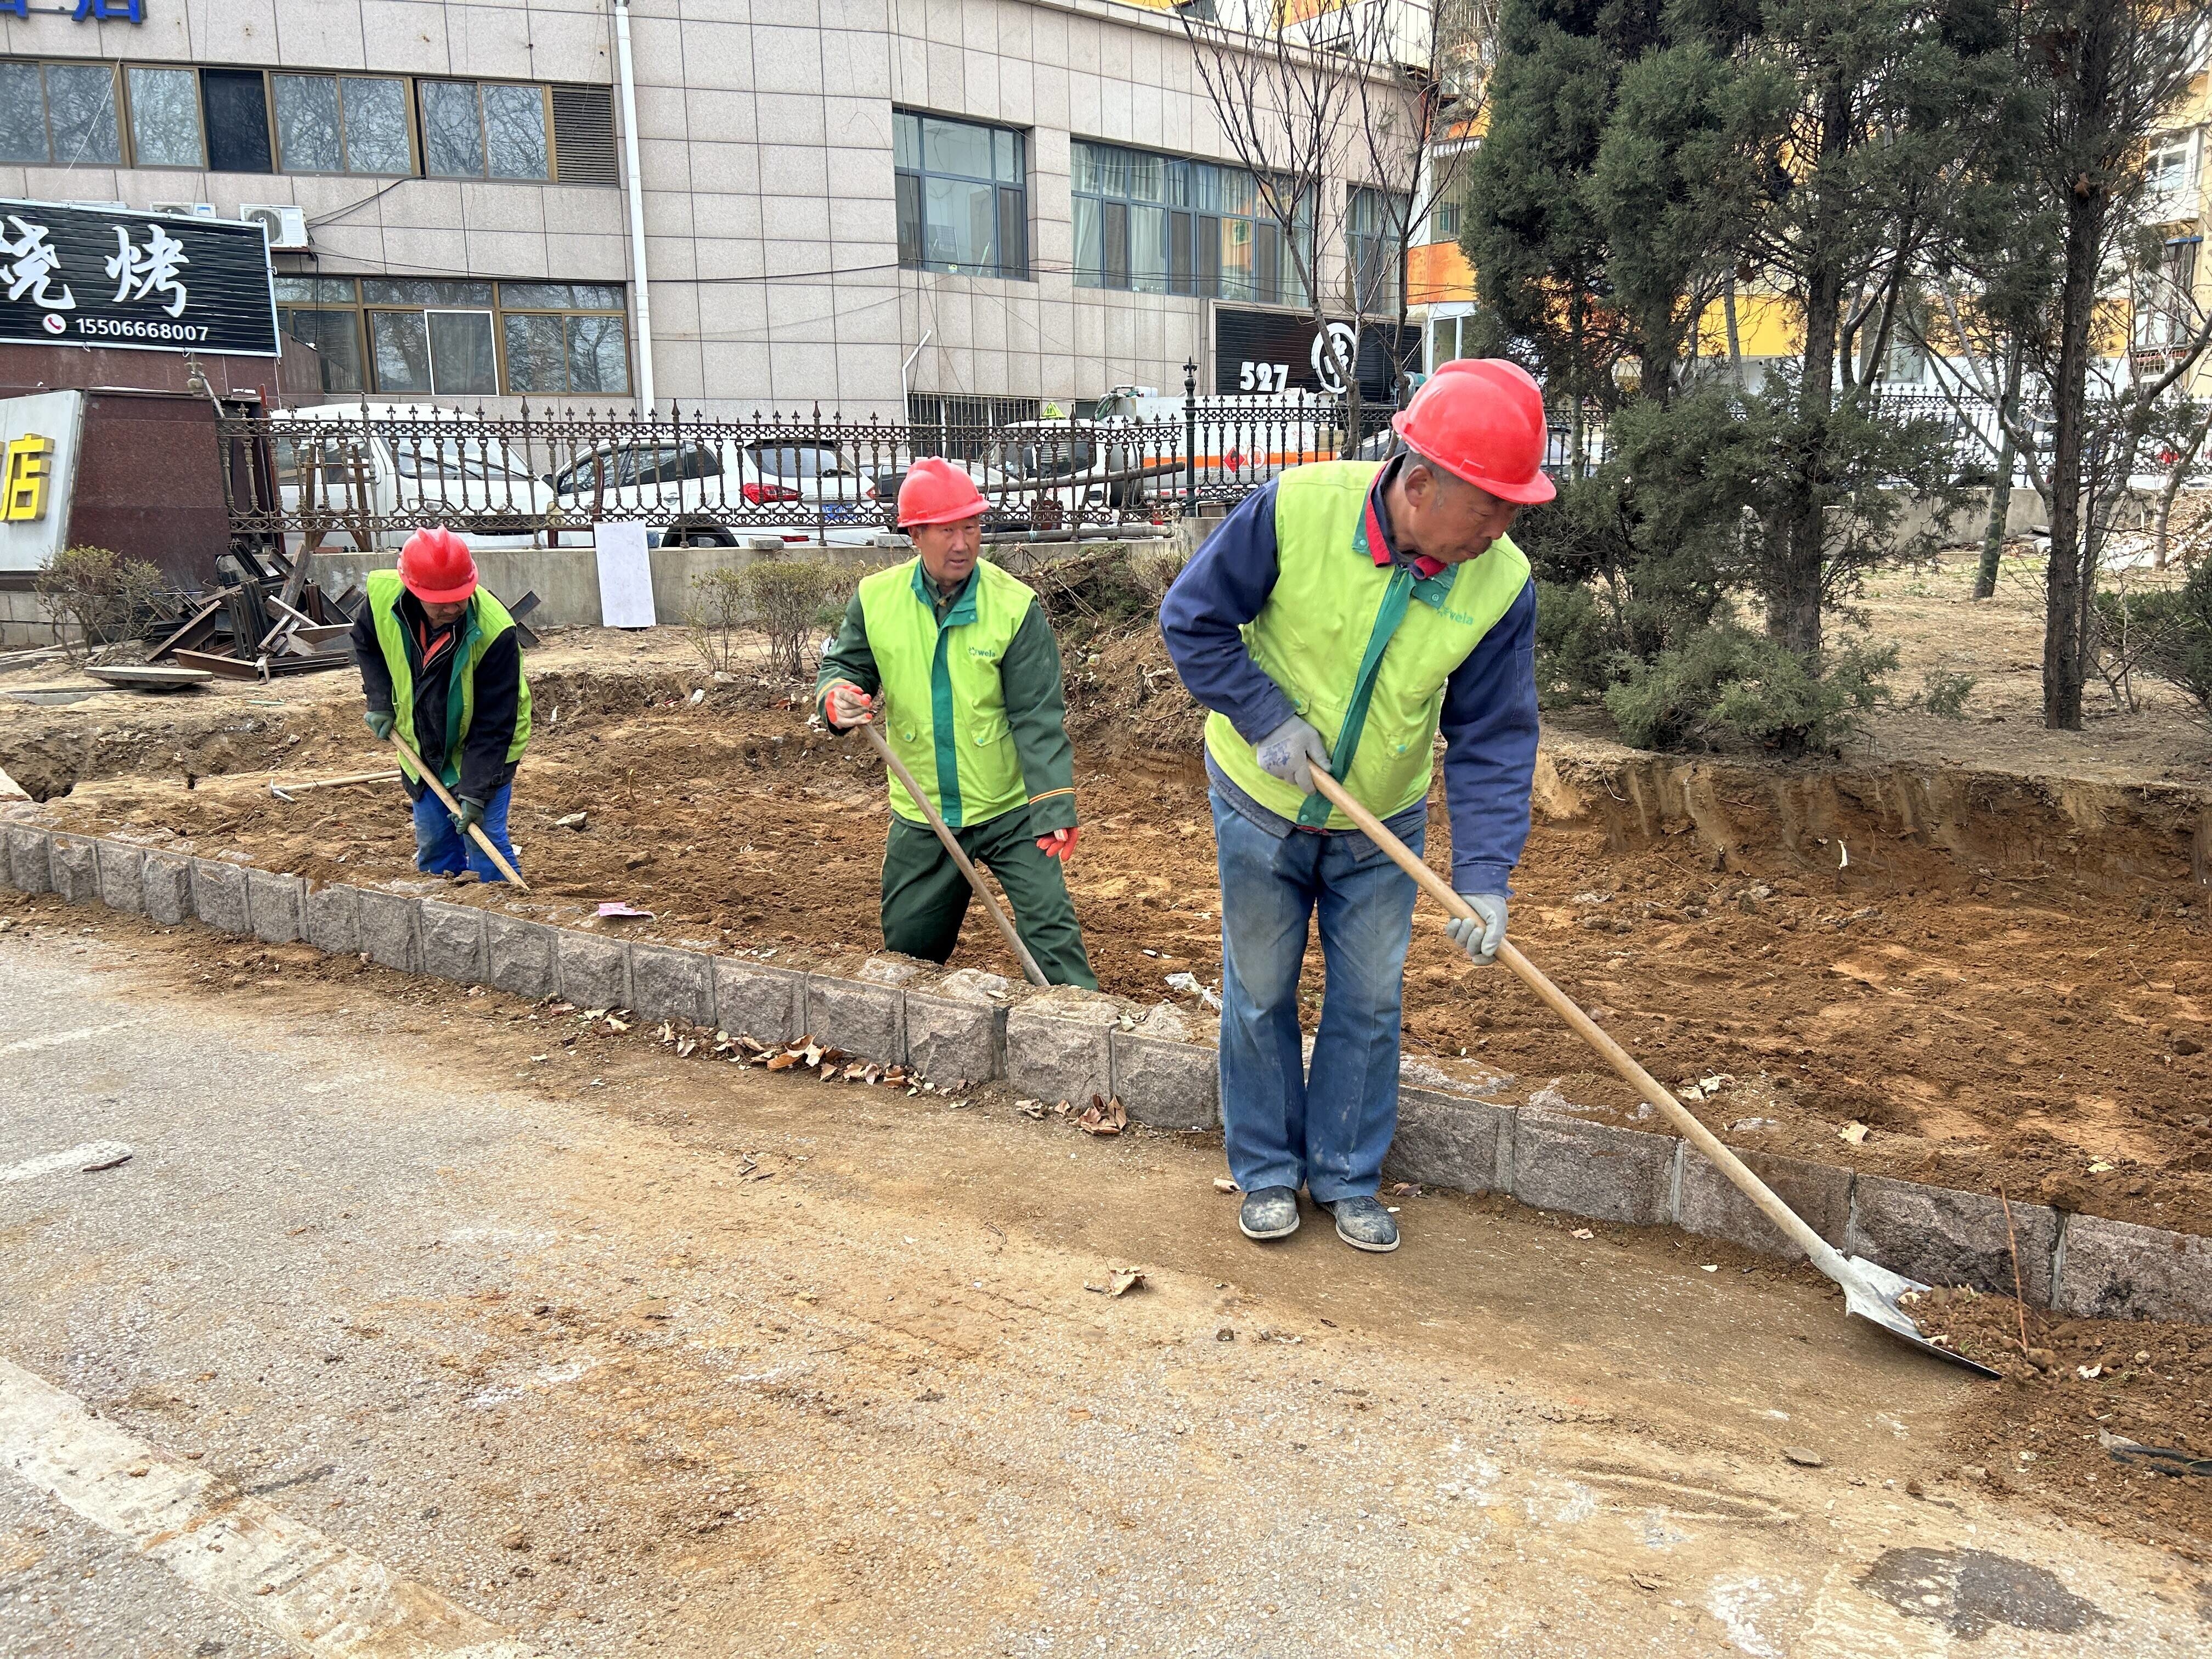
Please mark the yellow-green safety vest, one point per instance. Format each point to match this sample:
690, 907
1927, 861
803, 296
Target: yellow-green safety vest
484, 621
1321, 637
945, 713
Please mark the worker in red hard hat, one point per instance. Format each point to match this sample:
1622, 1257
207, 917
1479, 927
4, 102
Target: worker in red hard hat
442, 664
1339, 619
954, 660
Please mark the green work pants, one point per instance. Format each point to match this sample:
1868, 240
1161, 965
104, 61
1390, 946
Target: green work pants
926, 896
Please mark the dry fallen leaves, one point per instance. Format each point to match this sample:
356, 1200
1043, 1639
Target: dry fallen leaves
1103, 1117
1119, 1281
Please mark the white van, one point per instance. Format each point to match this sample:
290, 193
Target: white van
402, 465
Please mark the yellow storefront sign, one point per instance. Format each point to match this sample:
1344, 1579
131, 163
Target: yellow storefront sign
23, 496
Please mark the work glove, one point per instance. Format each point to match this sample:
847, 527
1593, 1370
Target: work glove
470, 816
1289, 752
1479, 938
1058, 843
846, 704
379, 721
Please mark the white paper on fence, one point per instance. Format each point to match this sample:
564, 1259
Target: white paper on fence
625, 576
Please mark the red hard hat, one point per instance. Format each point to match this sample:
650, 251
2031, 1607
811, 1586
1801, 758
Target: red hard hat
435, 566
938, 492
1482, 419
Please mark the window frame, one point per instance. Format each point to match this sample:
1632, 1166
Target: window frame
118, 73
910, 187
363, 310
1199, 224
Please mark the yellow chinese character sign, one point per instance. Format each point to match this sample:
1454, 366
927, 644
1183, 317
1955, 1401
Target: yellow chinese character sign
30, 463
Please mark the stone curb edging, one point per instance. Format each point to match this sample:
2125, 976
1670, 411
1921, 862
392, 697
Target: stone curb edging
1063, 1044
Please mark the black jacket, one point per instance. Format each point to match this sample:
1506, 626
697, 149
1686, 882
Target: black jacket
484, 767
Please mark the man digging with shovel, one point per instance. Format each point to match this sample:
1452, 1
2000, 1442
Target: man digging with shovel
441, 665
1336, 621
954, 661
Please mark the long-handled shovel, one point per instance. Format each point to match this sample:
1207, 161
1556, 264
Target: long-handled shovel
1870, 1289
453, 807
1035, 973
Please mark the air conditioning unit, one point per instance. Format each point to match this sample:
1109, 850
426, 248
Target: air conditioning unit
183, 209
287, 227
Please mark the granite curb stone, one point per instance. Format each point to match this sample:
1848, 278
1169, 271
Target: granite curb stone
331, 918
219, 896
389, 925
453, 942
275, 903
863, 1019
73, 868
952, 1039
1059, 1048
165, 881
1445, 1140
765, 1004
1166, 1083
2120, 1270
1944, 1237
668, 983
122, 875
29, 862
1710, 1206
594, 972
1593, 1170
521, 956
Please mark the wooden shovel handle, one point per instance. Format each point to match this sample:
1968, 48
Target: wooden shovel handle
1589, 1031
475, 830
1030, 971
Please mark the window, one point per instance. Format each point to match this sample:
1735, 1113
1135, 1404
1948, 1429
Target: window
408, 336
1449, 337
1374, 241
1157, 224
961, 428
963, 196
472, 131
157, 116
2170, 170
2166, 313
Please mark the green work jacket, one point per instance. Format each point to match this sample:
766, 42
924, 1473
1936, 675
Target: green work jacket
484, 621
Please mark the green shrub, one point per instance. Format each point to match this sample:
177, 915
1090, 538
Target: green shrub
2176, 628
105, 596
788, 600
1943, 694
1730, 682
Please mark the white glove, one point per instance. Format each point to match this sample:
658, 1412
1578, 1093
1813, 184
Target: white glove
846, 704
1479, 938
1288, 751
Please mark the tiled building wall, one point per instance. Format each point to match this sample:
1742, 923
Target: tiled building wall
765, 146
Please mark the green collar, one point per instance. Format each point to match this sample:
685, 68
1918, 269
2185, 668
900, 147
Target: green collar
964, 605
1431, 590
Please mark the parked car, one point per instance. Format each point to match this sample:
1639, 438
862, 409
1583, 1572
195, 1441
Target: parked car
716, 493
406, 467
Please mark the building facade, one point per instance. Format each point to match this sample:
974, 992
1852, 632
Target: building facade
940, 207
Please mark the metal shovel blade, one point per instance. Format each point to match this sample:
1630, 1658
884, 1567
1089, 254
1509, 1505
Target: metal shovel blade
1871, 1291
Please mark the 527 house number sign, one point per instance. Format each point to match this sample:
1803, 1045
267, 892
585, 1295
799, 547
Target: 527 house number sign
106, 276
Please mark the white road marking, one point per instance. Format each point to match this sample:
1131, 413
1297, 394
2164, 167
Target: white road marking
70, 1157
57, 1039
329, 1601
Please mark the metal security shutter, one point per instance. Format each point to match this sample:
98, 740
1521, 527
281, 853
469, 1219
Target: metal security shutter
584, 134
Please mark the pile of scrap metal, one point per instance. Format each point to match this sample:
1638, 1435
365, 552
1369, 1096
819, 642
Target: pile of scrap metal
262, 622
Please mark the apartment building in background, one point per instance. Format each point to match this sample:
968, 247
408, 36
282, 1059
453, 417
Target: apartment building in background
876, 206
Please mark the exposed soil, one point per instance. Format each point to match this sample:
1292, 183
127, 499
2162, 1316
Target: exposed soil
2006, 975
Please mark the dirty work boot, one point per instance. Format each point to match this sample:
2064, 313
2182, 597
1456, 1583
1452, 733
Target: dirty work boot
1270, 1212
1364, 1223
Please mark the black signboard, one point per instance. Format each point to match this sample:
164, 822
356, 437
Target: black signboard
1271, 352
142, 281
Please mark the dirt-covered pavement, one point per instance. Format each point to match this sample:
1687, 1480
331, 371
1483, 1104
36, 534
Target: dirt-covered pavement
626, 1354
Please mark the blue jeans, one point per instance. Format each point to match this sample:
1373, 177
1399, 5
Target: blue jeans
1327, 1130
442, 850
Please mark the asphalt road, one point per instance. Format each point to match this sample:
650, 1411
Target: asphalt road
402, 1340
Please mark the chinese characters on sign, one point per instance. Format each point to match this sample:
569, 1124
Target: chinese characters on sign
81, 275
23, 495
86, 11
